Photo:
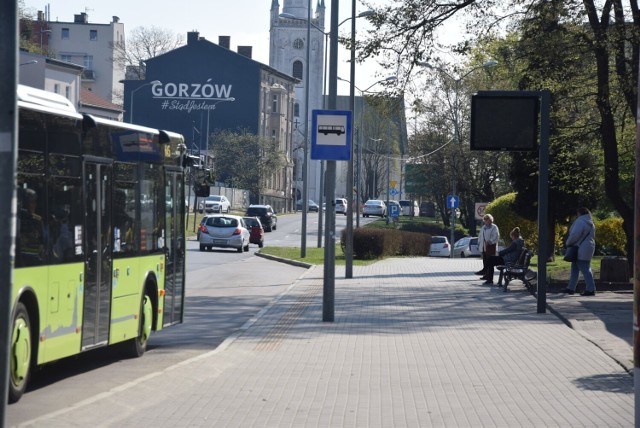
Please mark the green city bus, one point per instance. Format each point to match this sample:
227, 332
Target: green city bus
100, 245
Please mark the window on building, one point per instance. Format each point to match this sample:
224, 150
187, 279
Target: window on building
93, 35
56, 88
65, 33
88, 62
297, 70
67, 92
273, 134
296, 110
66, 58
298, 44
274, 104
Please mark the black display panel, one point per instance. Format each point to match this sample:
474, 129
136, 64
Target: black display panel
504, 122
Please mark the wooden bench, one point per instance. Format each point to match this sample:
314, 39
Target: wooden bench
518, 270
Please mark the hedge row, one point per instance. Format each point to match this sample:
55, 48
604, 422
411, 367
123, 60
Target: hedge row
378, 243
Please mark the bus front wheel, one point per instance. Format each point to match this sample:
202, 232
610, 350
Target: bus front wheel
138, 346
20, 353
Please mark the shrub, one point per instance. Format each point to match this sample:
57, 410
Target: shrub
378, 243
506, 219
610, 237
433, 230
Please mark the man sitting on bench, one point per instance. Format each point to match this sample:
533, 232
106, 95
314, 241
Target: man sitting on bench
508, 255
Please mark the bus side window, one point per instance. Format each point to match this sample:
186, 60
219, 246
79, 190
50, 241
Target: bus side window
31, 239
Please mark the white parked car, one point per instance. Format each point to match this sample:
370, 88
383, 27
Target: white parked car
440, 247
409, 208
341, 206
215, 204
374, 207
224, 231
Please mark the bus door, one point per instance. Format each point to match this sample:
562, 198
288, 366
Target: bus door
175, 251
97, 283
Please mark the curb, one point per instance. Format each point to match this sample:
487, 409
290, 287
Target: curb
283, 260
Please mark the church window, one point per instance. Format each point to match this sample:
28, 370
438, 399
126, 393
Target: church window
298, 44
297, 70
296, 110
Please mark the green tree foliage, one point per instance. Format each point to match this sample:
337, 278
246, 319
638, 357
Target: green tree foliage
584, 52
245, 160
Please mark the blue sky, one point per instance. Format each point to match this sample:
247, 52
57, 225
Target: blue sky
245, 21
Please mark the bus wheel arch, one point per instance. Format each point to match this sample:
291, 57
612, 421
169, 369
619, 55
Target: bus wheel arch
137, 346
23, 347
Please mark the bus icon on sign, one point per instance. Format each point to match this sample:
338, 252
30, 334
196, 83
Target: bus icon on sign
331, 129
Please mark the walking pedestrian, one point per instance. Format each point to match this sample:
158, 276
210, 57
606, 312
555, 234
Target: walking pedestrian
583, 235
507, 255
487, 241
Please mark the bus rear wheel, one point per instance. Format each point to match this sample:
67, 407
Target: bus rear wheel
138, 346
20, 353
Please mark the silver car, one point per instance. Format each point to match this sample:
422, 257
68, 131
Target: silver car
466, 247
216, 203
224, 231
374, 207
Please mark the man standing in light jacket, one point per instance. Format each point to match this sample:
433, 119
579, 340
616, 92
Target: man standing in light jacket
583, 234
487, 242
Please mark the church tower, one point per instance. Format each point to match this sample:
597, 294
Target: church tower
288, 54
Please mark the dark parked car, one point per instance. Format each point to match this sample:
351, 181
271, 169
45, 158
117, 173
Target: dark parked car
312, 206
427, 209
256, 230
265, 213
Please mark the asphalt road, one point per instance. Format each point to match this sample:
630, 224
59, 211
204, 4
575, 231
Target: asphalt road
224, 290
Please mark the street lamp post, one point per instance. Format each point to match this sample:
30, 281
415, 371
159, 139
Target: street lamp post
456, 127
153, 82
349, 243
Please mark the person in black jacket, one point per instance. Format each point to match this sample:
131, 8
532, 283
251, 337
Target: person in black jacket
508, 255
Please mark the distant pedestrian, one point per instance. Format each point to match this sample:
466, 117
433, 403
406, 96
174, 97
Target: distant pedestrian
487, 241
507, 255
583, 235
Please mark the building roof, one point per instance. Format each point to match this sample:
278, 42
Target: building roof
91, 99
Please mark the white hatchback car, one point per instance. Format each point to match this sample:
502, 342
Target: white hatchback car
224, 231
440, 247
341, 206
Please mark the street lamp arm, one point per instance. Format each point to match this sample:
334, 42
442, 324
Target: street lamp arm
153, 82
360, 15
487, 64
362, 91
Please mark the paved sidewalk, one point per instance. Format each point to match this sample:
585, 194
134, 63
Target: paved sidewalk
416, 342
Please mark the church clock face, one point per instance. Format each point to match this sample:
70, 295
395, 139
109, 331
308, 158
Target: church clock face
298, 44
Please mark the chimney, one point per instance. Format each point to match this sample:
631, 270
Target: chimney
40, 16
224, 41
115, 19
245, 51
81, 18
192, 37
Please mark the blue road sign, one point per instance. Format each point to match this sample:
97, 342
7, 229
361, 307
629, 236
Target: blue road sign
394, 211
453, 201
331, 134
